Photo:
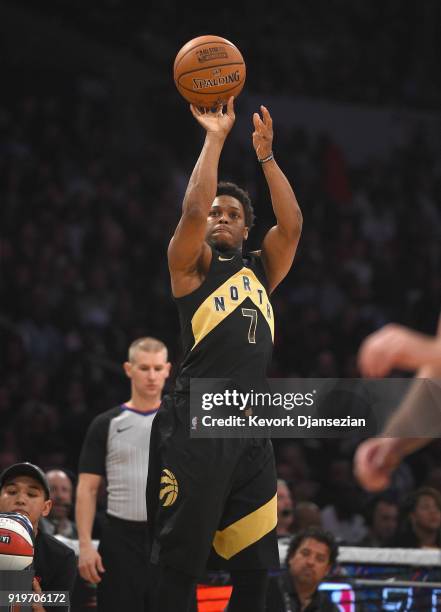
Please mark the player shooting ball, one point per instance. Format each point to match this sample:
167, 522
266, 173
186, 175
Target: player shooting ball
223, 505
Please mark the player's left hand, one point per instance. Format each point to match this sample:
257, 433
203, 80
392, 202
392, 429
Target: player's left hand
393, 346
263, 133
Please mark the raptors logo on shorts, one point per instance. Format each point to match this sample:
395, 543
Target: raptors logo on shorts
169, 488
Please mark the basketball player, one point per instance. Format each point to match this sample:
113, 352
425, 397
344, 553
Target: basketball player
391, 347
226, 488
116, 449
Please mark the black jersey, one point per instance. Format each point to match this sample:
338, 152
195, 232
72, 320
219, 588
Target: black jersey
55, 565
227, 323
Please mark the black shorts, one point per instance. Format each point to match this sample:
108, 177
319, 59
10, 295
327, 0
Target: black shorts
210, 502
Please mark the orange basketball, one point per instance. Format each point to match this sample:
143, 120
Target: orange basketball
208, 70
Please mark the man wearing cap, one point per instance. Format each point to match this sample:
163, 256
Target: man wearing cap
24, 489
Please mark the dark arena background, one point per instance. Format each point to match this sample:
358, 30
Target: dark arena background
96, 147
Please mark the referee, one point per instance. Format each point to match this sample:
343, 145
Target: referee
116, 449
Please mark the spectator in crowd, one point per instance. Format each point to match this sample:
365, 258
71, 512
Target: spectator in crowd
116, 449
294, 466
58, 521
420, 521
285, 509
306, 515
433, 478
382, 521
311, 555
342, 516
24, 489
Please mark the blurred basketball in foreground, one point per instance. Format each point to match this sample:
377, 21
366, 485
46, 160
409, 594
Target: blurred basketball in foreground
16, 544
208, 70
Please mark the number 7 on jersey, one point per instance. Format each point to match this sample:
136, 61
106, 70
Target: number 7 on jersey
252, 313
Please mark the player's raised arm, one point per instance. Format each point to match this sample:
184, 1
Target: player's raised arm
188, 247
280, 243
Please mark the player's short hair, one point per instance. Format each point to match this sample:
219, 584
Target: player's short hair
315, 533
233, 190
148, 345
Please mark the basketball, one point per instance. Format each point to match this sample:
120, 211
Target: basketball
208, 70
16, 543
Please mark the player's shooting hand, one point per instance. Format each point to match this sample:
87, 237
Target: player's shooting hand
391, 347
216, 122
374, 462
90, 563
263, 133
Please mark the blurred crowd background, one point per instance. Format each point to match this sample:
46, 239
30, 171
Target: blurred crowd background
91, 187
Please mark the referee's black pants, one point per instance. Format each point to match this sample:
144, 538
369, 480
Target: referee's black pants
125, 554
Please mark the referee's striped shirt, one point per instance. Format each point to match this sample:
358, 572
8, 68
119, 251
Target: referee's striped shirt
117, 447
